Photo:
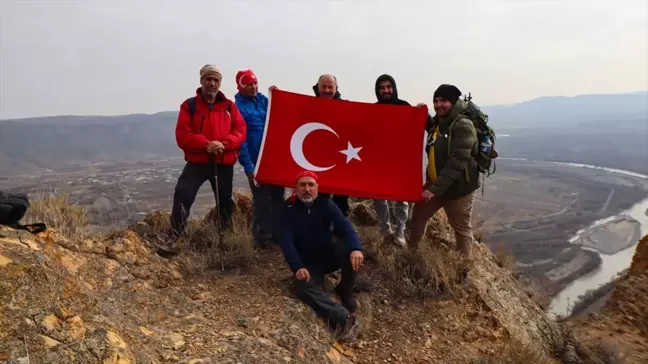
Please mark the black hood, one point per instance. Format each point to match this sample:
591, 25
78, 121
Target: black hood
389, 78
336, 96
394, 98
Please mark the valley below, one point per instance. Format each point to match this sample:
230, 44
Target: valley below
560, 221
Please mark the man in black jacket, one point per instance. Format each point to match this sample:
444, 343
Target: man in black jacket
327, 87
312, 250
387, 93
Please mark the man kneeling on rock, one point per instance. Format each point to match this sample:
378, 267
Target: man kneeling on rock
312, 252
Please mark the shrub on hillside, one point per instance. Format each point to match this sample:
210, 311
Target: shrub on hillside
428, 270
200, 249
59, 213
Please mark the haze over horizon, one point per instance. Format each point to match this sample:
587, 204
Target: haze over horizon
114, 58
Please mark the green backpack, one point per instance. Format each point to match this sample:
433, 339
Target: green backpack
486, 153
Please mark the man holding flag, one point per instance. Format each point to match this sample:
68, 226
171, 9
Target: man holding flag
452, 171
327, 87
387, 94
266, 199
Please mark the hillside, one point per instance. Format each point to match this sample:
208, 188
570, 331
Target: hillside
67, 297
64, 141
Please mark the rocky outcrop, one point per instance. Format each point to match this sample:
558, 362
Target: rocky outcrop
639, 264
112, 300
629, 301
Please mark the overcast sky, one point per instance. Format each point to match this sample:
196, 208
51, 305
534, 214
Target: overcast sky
116, 57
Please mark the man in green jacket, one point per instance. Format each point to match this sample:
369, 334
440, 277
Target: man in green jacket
452, 173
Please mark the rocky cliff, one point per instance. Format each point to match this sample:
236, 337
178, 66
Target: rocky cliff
623, 321
113, 300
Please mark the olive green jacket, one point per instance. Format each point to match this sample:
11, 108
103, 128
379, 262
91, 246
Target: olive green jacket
454, 155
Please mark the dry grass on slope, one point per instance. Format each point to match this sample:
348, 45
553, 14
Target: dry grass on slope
512, 353
57, 212
200, 250
425, 271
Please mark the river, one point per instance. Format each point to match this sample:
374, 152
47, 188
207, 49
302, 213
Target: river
611, 265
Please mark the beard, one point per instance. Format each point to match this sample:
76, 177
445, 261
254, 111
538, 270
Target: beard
307, 199
441, 112
210, 92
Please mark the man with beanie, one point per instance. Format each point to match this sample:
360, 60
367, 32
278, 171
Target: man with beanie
312, 250
452, 172
387, 93
267, 199
210, 131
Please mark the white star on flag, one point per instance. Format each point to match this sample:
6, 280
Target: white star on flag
351, 152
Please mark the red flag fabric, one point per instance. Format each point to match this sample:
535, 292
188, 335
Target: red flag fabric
357, 149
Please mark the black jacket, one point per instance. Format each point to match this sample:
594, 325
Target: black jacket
305, 235
394, 100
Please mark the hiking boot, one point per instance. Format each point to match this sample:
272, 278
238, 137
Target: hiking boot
350, 328
169, 248
465, 278
399, 239
387, 234
348, 301
264, 243
363, 285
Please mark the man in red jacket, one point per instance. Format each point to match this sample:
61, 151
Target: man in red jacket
210, 131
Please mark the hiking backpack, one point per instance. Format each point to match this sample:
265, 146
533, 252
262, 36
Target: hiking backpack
485, 134
13, 207
191, 102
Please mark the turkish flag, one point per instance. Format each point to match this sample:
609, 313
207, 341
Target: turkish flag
356, 149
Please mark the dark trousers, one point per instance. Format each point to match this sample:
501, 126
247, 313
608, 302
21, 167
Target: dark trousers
267, 201
312, 292
191, 179
340, 200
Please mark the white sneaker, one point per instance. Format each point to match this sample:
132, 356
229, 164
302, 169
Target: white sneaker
387, 233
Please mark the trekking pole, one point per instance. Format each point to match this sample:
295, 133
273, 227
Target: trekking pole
218, 216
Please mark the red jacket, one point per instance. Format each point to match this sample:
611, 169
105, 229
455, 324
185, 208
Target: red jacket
210, 124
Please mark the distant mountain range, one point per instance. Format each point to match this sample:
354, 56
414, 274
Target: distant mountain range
59, 141
568, 112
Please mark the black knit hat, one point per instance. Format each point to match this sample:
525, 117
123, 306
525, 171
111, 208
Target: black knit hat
448, 92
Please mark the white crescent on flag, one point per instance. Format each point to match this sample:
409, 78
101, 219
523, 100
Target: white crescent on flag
297, 147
